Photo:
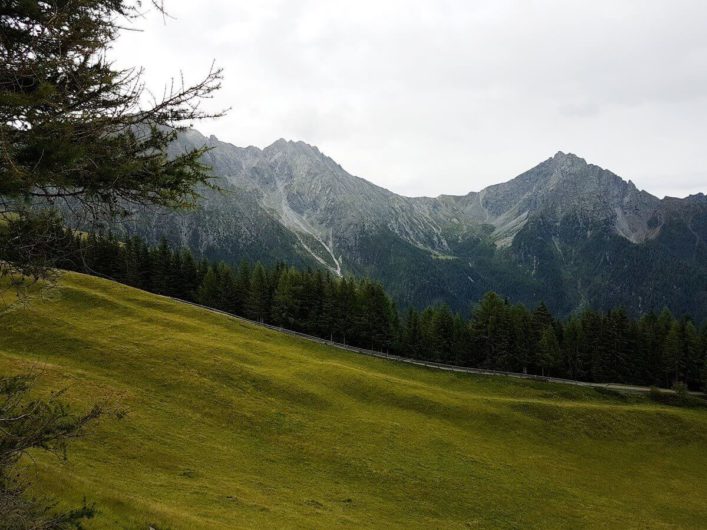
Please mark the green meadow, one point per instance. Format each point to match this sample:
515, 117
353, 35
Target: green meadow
217, 423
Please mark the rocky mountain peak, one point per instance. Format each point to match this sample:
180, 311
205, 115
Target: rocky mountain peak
289, 201
308, 188
293, 147
572, 177
697, 198
568, 159
564, 165
571, 157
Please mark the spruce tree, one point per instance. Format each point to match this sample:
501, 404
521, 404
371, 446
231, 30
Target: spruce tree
443, 332
692, 355
227, 289
327, 318
490, 331
285, 302
347, 317
548, 351
242, 288
162, 268
572, 352
650, 350
188, 276
258, 300
209, 292
411, 334
673, 354
133, 274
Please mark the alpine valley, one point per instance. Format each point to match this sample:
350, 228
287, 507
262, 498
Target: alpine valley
565, 232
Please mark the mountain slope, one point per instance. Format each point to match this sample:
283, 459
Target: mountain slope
561, 232
230, 425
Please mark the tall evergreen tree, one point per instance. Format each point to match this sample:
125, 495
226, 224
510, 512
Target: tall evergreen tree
673, 354
286, 301
548, 351
242, 288
188, 276
573, 355
209, 292
692, 355
411, 338
258, 301
75, 128
162, 268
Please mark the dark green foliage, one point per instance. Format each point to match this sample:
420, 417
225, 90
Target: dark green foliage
579, 262
655, 350
26, 424
548, 352
76, 131
259, 300
30, 243
72, 125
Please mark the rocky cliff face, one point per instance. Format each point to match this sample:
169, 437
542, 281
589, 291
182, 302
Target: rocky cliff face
563, 185
557, 232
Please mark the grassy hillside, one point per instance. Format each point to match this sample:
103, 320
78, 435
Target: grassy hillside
230, 425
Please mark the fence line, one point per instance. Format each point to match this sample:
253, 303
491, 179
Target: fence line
420, 362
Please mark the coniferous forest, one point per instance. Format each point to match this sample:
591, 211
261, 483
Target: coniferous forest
656, 349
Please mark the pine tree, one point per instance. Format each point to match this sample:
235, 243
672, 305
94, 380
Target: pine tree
411, 334
673, 354
541, 319
650, 350
258, 303
548, 351
490, 331
692, 355
572, 352
227, 289
328, 315
133, 272
619, 345
209, 292
242, 289
189, 276
443, 332
347, 317
285, 303
162, 268
596, 345
74, 128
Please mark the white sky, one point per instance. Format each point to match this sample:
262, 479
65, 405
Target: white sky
442, 96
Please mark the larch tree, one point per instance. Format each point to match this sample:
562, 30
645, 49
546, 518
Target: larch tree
74, 128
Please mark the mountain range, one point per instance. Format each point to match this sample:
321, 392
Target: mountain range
566, 232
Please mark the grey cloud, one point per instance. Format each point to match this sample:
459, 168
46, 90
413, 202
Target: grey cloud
446, 96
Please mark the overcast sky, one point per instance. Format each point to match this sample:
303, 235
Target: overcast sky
446, 96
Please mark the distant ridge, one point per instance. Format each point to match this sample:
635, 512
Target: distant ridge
566, 231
